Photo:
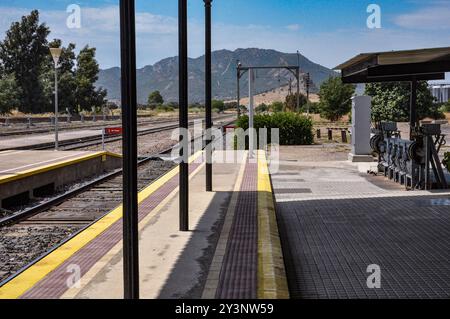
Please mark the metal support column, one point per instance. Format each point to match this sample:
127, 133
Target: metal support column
298, 81
413, 108
183, 102
129, 118
308, 79
251, 89
298, 89
239, 89
208, 95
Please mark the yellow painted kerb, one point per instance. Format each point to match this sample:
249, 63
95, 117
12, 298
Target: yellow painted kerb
272, 280
30, 277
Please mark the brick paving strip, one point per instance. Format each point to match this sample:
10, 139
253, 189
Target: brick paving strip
54, 285
238, 275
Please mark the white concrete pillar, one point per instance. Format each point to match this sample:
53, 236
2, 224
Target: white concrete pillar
361, 129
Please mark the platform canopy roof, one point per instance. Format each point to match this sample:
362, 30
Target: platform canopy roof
408, 65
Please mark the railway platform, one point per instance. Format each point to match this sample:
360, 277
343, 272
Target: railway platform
232, 251
339, 224
46, 140
25, 174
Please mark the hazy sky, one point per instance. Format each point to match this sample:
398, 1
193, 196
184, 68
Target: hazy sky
327, 32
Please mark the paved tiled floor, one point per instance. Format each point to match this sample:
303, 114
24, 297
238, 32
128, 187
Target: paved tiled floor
349, 221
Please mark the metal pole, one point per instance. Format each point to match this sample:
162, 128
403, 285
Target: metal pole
208, 95
183, 101
251, 80
129, 118
56, 108
298, 90
238, 90
413, 108
308, 78
103, 139
298, 81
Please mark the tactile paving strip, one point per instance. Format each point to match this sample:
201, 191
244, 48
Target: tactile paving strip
238, 276
328, 245
55, 284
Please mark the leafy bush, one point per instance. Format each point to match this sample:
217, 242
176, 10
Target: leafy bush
218, 104
312, 107
165, 108
262, 108
444, 107
446, 161
277, 107
294, 129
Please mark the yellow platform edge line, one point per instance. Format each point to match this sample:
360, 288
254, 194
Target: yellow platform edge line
33, 275
272, 280
56, 165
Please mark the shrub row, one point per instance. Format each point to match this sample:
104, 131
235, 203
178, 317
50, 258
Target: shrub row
294, 129
447, 161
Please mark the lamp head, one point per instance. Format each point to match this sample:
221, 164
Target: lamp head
56, 54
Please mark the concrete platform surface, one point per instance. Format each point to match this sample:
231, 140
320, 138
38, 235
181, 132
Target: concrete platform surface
41, 139
18, 163
336, 221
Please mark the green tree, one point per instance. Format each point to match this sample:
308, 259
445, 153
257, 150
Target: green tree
335, 98
291, 102
9, 94
277, 107
262, 108
231, 106
311, 107
155, 99
219, 105
23, 53
87, 96
391, 101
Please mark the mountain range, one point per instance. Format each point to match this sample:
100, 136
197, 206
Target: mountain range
163, 75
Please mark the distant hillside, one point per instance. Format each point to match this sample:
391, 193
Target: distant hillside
163, 76
275, 95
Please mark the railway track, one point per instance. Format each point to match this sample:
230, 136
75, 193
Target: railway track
64, 126
30, 235
98, 139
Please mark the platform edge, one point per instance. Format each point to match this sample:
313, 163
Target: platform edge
272, 279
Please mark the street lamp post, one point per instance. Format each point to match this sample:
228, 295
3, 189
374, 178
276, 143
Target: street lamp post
56, 54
